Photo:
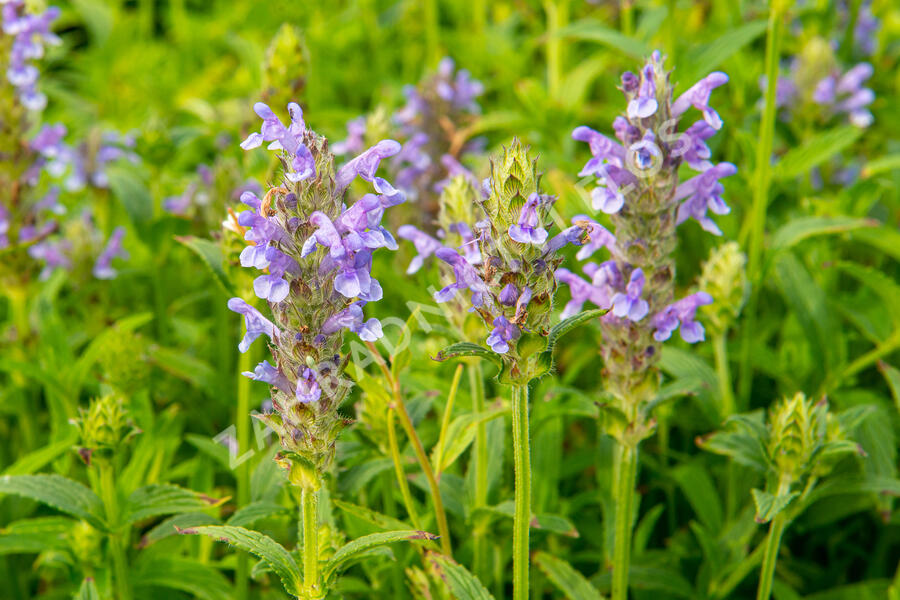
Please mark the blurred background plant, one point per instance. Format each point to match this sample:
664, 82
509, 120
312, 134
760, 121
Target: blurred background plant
813, 307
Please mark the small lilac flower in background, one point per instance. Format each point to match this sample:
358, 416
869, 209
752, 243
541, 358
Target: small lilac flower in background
681, 313
103, 267
30, 33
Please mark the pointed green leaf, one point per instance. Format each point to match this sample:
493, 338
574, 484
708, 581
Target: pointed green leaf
163, 499
36, 535
815, 151
191, 576
88, 590
703, 59
256, 511
350, 550
62, 494
567, 325
892, 375
768, 505
279, 560
595, 31
569, 581
461, 583
462, 349
211, 254
370, 516
461, 433
799, 229
170, 526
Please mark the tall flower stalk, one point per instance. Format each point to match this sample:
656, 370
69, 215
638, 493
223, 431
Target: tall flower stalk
315, 252
639, 188
512, 290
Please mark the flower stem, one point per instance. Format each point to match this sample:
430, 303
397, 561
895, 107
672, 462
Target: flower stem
773, 543
723, 372
522, 517
761, 180
625, 473
556, 19
242, 416
445, 421
479, 533
401, 473
116, 544
309, 513
406, 422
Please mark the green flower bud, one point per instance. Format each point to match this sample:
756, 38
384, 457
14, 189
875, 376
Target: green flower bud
123, 361
285, 67
103, 426
796, 430
724, 277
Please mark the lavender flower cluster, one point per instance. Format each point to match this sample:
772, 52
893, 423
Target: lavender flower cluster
431, 126
29, 33
835, 94
639, 188
316, 254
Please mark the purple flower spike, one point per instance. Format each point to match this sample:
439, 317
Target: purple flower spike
424, 243
503, 333
268, 374
366, 164
630, 304
644, 104
682, 313
307, 387
527, 230
257, 324
466, 278
103, 267
704, 192
698, 97
283, 138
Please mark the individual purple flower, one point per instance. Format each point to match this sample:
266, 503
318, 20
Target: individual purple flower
461, 90
703, 193
272, 286
53, 253
508, 295
503, 333
603, 149
289, 139
424, 243
581, 291
469, 246
644, 104
681, 313
352, 318
366, 164
308, 387
355, 140
528, 230
257, 324
698, 97
466, 278
608, 196
268, 374
645, 154
630, 304
693, 146
625, 133
103, 267
846, 94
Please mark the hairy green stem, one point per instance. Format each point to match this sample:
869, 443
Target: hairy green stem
723, 372
117, 548
400, 471
625, 473
773, 543
309, 512
242, 425
522, 517
761, 180
479, 533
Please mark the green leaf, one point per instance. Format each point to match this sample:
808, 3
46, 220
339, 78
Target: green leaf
169, 527
256, 511
63, 494
768, 505
461, 583
462, 349
38, 459
701, 493
744, 441
162, 499
885, 287
349, 551
88, 590
191, 576
461, 434
885, 164
799, 229
815, 151
279, 560
132, 192
545, 522
211, 254
892, 375
567, 325
704, 59
569, 581
595, 31
36, 535
370, 516
886, 239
